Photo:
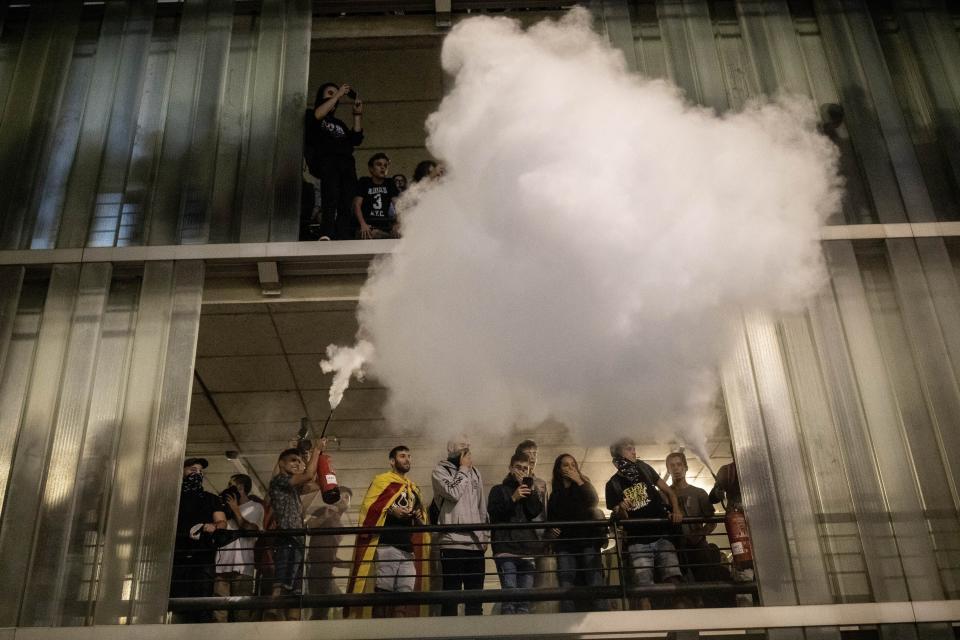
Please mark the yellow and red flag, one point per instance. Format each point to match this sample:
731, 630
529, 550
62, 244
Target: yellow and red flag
383, 492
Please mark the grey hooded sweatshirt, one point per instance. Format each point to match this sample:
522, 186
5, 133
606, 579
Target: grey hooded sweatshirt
460, 496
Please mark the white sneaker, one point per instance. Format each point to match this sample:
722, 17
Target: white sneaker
323, 238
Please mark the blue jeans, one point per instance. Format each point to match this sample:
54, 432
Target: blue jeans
659, 555
515, 573
288, 563
580, 568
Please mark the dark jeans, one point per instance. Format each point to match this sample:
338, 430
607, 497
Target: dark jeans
515, 573
338, 181
288, 563
462, 569
704, 563
580, 568
192, 577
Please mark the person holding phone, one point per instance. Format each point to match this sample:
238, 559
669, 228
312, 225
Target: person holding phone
328, 149
458, 498
514, 550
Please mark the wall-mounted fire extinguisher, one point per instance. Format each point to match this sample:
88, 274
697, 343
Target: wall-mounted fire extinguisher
326, 475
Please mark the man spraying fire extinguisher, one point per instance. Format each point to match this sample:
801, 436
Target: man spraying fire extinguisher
326, 476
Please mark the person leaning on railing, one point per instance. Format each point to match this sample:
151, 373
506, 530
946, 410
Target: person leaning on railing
577, 548
632, 493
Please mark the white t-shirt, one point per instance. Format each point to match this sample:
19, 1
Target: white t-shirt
238, 555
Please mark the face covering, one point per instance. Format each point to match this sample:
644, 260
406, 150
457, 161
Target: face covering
627, 469
192, 483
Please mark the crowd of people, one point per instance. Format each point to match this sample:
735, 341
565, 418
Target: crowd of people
213, 557
335, 204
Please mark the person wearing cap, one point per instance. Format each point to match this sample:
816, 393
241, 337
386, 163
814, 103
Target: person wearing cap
459, 498
200, 512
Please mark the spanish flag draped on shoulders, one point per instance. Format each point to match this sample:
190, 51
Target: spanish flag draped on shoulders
386, 490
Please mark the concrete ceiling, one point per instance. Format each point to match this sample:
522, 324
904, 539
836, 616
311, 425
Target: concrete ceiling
257, 373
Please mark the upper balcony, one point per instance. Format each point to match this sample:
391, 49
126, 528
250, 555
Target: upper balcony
146, 124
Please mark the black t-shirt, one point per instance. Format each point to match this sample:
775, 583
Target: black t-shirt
329, 137
644, 501
195, 508
377, 205
402, 540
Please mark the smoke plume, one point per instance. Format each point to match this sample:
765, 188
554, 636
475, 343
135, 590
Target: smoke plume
345, 362
592, 239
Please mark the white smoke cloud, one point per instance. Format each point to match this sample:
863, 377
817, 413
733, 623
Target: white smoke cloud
592, 238
345, 362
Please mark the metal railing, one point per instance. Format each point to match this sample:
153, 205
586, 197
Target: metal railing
324, 590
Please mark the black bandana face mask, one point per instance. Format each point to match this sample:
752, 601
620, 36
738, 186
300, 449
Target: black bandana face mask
627, 469
192, 483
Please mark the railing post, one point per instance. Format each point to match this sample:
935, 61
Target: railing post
624, 598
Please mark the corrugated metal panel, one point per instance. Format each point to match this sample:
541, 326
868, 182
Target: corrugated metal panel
11, 280
753, 465
787, 460
934, 43
42, 592
617, 24
771, 39
231, 149
179, 187
16, 374
84, 208
31, 107
843, 548
926, 389
26, 479
256, 206
202, 168
165, 209
914, 548
162, 478
285, 222
126, 510
96, 200
692, 52
774, 568
851, 27
77, 594
842, 51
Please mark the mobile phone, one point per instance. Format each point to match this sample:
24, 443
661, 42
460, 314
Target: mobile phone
528, 482
352, 93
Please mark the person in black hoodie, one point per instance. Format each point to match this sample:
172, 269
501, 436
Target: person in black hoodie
328, 149
577, 548
514, 500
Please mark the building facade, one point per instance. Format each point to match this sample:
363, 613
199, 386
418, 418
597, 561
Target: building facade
150, 164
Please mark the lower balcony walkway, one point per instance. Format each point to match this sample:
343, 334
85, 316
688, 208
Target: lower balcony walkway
756, 622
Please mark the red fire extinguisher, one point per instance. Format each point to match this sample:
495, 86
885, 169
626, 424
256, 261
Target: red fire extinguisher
739, 536
327, 479
326, 476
